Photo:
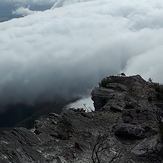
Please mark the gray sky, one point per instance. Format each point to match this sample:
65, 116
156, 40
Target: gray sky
68, 49
16, 8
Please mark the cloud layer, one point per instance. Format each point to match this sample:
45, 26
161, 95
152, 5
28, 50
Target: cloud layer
67, 50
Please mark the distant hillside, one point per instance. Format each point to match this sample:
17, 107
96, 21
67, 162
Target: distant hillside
24, 115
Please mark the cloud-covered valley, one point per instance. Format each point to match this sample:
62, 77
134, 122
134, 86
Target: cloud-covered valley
68, 49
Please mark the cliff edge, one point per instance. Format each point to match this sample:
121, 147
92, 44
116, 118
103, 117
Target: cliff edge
126, 127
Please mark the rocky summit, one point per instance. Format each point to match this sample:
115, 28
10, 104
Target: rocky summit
126, 127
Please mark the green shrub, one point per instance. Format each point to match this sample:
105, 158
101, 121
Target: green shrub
159, 96
159, 92
104, 82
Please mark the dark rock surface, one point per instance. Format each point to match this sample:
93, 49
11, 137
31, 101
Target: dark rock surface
124, 128
134, 131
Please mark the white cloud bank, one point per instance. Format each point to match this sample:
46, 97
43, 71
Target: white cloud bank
67, 50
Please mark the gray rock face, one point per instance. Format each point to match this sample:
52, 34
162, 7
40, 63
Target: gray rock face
134, 131
124, 128
148, 146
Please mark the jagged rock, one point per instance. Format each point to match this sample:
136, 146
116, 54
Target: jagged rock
152, 145
101, 96
19, 145
133, 87
138, 115
133, 131
116, 108
55, 118
117, 86
124, 128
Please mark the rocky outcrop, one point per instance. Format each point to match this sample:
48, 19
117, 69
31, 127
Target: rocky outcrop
124, 128
134, 131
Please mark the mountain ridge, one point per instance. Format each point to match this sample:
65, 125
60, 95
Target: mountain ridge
125, 127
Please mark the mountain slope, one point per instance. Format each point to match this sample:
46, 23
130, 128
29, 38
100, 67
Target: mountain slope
125, 127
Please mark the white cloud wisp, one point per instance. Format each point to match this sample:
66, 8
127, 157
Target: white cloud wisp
23, 11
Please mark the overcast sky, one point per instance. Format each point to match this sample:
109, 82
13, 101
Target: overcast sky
69, 47
16, 8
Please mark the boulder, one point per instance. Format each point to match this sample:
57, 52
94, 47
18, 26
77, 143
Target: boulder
129, 131
148, 146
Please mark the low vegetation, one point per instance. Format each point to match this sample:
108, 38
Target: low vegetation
159, 115
159, 92
104, 82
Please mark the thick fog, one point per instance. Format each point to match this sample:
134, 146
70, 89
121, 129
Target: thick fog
68, 49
